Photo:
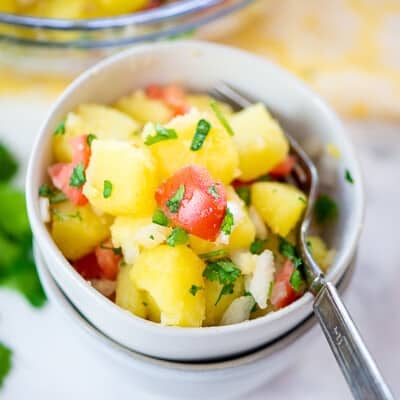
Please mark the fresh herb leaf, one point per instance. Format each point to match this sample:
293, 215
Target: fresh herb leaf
194, 289
223, 271
213, 191
63, 217
221, 117
213, 254
45, 191
151, 237
5, 362
302, 199
161, 134
202, 129
8, 164
116, 250
325, 209
90, 139
244, 193
54, 195
296, 281
60, 129
78, 177
160, 218
107, 189
348, 176
178, 236
289, 251
257, 247
175, 201
227, 222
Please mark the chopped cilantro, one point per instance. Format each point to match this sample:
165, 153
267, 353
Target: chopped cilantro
90, 139
5, 362
63, 217
213, 254
45, 191
202, 129
175, 201
302, 199
116, 250
60, 129
161, 134
54, 195
227, 222
78, 177
221, 117
348, 176
178, 236
223, 271
8, 164
194, 289
107, 189
123, 263
160, 218
244, 193
289, 251
213, 191
257, 247
144, 303
151, 237
325, 209
296, 281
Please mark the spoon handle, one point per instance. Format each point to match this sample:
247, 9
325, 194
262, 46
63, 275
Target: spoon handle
357, 365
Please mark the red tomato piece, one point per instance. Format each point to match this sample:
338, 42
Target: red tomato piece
284, 168
282, 292
203, 207
107, 260
172, 95
80, 150
154, 92
88, 267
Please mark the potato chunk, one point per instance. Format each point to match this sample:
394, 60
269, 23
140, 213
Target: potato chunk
280, 205
167, 274
102, 121
131, 173
259, 140
77, 230
202, 103
218, 153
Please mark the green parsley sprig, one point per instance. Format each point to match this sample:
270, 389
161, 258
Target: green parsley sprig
177, 237
160, 218
194, 289
175, 201
78, 176
227, 222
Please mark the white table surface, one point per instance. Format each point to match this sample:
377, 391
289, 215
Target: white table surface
51, 361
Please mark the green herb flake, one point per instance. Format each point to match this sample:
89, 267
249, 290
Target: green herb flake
213, 254
90, 139
123, 263
244, 193
5, 362
144, 303
160, 218
175, 201
194, 289
116, 250
228, 222
60, 129
325, 209
257, 247
296, 281
202, 129
177, 237
8, 164
223, 271
221, 117
348, 176
213, 191
161, 134
54, 195
151, 237
63, 217
302, 199
78, 177
107, 189
289, 251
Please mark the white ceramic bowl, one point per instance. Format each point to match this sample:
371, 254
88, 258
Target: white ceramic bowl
197, 66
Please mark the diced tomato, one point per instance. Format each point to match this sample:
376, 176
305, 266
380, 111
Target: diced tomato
172, 95
80, 150
284, 168
88, 267
107, 260
203, 206
153, 4
282, 292
155, 92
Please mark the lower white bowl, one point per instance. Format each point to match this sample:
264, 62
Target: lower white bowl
180, 380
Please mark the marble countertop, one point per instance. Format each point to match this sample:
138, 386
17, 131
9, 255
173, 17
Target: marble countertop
52, 362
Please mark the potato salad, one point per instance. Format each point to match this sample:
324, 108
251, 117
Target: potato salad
178, 208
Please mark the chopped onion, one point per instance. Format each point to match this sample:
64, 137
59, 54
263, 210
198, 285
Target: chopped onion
104, 286
151, 235
130, 253
261, 229
44, 209
244, 260
258, 283
238, 311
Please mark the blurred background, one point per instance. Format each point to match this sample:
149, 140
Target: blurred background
346, 50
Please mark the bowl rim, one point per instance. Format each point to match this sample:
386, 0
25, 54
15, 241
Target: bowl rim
46, 243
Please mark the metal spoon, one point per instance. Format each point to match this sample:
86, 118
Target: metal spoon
356, 363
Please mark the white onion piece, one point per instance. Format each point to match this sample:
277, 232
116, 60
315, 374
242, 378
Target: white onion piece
244, 260
130, 252
259, 282
238, 311
44, 209
151, 235
261, 229
104, 286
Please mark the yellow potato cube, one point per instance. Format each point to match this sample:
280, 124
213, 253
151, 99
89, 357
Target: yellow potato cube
102, 121
8, 6
153, 312
77, 230
131, 174
214, 312
280, 205
201, 246
144, 109
202, 103
218, 153
320, 252
118, 7
127, 294
259, 140
167, 274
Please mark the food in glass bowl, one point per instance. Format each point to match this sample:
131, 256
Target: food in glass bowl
178, 208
